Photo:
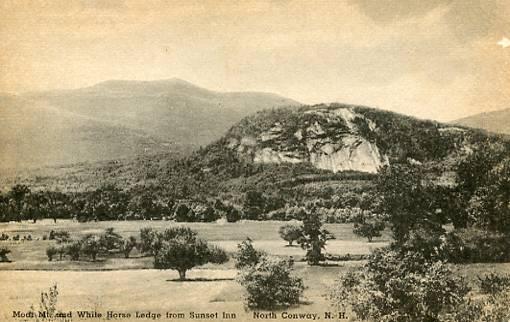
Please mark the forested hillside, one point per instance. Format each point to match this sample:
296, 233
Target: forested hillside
232, 175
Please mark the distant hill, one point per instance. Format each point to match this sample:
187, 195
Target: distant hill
118, 119
497, 122
283, 150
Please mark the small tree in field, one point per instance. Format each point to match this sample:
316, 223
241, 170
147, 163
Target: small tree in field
50, 252
247, 255
3, 254
314, 239
91, 246
270, 284
182, 250
149, 241
290, 233
128, 245
73, 250
368, 229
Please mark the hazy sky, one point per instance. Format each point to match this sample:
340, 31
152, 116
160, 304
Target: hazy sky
436, 59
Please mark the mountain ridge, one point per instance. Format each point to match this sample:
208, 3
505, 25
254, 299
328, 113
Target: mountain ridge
495, 121
118, 119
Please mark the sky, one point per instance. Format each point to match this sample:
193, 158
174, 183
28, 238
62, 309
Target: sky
436, 59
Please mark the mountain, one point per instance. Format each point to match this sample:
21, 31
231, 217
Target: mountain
497, 122
283, 150
118, 119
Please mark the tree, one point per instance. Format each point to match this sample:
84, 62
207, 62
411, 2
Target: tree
290, 233
247, 255
232, 214
128, 245
395, 286
91, 245
149, 241
270, 284
489, 207
73, 250
110, 241
50, 252
407, 201
3, 254
254, 204
18, 194
182, 250
368, 228
314, 239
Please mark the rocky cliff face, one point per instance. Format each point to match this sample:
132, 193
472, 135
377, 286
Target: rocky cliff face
331, 139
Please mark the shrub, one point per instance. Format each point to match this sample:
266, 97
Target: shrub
3, 254
399, 287
91, 245
61, 250
50, 252
290, 233
73, 249
217, 255
182, 250
128, 245
493, 283
148, 241
476, 246
369, 229
110, 241
48, 304
60, 236
270, 284
247, 255
232, 214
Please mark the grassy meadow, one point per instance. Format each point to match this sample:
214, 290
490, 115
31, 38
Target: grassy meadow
130, 285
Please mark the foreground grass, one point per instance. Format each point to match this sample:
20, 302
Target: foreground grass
213, 289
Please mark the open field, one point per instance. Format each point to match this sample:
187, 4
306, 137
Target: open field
131, 285
31, 255
144, 290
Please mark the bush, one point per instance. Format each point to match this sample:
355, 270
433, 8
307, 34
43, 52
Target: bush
91, 245
128, 245
247, 255
270, 284
148, 241
3, 254
60, 236
476, 246
61, 250
217, 255
369, 229
399, 287
73, 250
232, 214
290, 233
50, 252
493, 283
111, 241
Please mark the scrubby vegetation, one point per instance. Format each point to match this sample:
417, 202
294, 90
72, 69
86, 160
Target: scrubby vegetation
268, 280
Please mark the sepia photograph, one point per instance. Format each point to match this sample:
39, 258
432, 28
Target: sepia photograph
255, 160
